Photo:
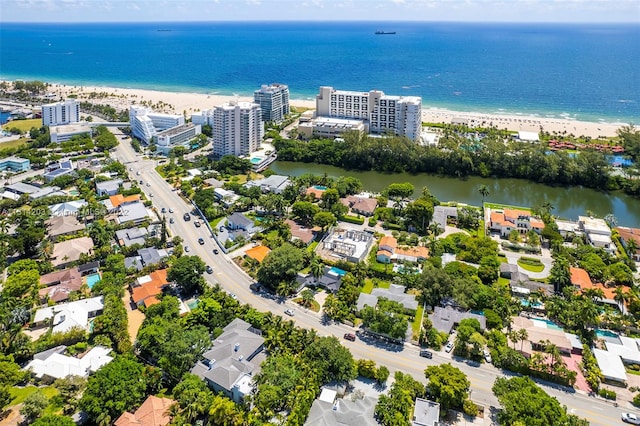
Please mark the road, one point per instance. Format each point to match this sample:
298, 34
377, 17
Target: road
397, 358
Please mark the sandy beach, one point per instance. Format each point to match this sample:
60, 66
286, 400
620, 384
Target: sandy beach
120, 98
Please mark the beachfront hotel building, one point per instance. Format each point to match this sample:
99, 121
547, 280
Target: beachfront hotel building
274, 101
381, 114
204, 117
176, 136
57, 113
237, 128
145, 124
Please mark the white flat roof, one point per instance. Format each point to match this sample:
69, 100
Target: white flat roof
528, 136
610, 365
624, 352
600, 238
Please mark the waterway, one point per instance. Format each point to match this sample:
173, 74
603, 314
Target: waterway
568, 203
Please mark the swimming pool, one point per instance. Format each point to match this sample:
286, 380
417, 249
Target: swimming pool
546, 323
192, 304
93, 279
320, 187
337, 271
529, 304
256, 160
606, 333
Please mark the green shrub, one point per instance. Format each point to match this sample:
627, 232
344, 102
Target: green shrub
352, 219
393, 226
372, 221
636, 400
470, 408
608, 394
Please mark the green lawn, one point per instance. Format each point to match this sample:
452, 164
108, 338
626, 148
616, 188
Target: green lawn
17, 142
24, 125
312, 246
529, 266
384, 284
20, 394
214, 223
368, 286
315, 306
415, 325
505, 206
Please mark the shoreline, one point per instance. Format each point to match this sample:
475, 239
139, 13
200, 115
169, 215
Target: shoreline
190, 102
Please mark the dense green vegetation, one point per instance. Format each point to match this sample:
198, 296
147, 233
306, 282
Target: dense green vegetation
460, 156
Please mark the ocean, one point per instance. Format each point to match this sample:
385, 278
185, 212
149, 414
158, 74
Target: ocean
586, 72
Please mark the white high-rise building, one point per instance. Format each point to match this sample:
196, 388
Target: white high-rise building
145, 124
383, 114
237, 129
274, 101
60, 113
203, 117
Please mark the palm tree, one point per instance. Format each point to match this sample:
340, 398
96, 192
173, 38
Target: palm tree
522, 336
316, 267
307, 297
484, 191
632, 247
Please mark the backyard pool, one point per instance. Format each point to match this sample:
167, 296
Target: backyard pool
546, 323
93, 279
606, 333
529, 304
192, 304
320, 187
337, 271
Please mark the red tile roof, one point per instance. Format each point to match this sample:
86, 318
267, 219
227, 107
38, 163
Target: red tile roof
152, 412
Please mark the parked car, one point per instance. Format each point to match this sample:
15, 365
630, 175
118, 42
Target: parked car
290, 312
201, 241
449, 347
163, 210
215, 251
141, 182
233, 296
350, 336
630, 418
487, 356
196, 223
187, 249
426, 354
209, 270
151, 194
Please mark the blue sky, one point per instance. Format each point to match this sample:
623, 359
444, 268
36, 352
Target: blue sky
320, 10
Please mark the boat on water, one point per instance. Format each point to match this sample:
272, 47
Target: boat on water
384, 32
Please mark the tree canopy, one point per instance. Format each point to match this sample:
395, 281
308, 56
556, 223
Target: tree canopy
187, 272
447, 385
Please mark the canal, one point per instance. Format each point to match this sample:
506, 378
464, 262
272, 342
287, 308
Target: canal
568, 203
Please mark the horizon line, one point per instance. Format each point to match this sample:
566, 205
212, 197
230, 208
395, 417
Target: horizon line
569, 22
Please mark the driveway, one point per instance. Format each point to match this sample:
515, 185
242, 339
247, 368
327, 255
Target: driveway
512, 259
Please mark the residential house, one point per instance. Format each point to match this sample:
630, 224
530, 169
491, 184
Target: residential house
620, 351
240, 221
63, 225
69, 208
110, 187
315, 191
442, 214
58, 285
327, 410
62, 318
299, 232
154, 411
54, 170
226, 197
135, 213
597, 232
539, 332
69, 251
446, 318
360, 205
581, 280
567, 228
146, 256
233, 359
395, 293
520, 282
388, 251
258, 253
89, 268
509, 220
144, 290
626, 236
118, 200
214, 182
130, 236
53, 364
275, 184
349, 244
426, 413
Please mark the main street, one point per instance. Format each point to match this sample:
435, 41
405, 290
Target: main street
397, 358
